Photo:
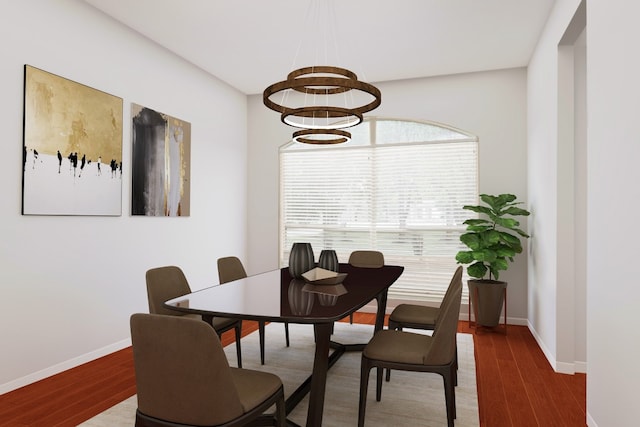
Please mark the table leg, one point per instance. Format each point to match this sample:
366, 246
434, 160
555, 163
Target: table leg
319, 375
382, 308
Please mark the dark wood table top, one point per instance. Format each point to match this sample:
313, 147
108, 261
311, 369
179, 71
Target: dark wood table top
275, 296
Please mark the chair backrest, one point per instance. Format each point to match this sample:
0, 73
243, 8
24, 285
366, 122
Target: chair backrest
443, 346
164, 283
230, 268
182, 373
457, 277
367, 259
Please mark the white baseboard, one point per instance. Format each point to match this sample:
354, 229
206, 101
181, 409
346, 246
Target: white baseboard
559, 367
60, 367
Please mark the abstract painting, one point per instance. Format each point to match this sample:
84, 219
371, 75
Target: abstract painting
161, 163
72, 148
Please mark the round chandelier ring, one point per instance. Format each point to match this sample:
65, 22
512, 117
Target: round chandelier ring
306, 84
319, 69
322, 69
340, 136
321, 113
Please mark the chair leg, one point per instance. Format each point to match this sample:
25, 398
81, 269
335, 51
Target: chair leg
261, 334
379, 373
238, 330
281, 414
351, 318
364, 384
286, 333
455, 367
449, 396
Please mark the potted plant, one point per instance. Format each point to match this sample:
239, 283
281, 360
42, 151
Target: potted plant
493, 240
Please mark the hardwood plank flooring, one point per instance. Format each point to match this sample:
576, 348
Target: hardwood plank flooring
516, 385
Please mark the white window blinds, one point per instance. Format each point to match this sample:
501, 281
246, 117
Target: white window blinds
397, 187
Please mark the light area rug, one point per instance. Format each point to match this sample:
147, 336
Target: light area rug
409, 399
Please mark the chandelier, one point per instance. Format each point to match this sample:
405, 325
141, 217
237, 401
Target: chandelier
321, 101
325, 103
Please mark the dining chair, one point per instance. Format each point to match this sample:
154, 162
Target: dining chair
165, 283
365, 259
408, 351
229, 269
415, 316
183, 377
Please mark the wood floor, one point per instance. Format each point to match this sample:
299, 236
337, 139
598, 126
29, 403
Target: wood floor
516, 386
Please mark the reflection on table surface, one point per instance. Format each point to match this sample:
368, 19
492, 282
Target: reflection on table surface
276, 296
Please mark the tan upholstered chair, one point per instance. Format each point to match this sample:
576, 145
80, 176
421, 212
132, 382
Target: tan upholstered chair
183, 377
165, 283
229, 269
365, 259
414, 316
392, 349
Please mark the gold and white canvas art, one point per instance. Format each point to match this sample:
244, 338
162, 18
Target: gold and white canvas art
72, 148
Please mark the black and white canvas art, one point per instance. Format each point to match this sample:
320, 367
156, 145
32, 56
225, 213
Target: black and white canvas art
72, 148
161, 168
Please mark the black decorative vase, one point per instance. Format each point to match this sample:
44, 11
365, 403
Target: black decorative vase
329, 260
300, 259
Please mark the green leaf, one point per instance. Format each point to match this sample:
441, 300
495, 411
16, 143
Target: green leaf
516, 211
477, 270
520, 232
505, 251
497, 202
507, 222
509, 239
464, 257
479, 228
490, 237
477, 221
500, 264
479, 209
472, 240
484, 255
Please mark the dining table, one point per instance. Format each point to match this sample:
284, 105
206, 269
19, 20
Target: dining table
276, 296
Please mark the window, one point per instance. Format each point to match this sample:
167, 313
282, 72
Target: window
397, 187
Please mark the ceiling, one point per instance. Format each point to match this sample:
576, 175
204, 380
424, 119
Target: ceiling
250, 44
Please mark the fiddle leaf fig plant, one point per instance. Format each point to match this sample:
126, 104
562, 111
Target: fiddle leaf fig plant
494, 238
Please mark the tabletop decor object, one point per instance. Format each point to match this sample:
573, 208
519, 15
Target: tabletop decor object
493, 241
301, 259
320, 276
328, 260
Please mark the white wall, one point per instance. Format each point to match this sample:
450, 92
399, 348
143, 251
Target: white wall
551, 182
613, 91
491, 105
69, 284
612, 150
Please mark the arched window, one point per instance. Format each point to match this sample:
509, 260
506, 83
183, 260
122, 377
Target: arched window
398, 187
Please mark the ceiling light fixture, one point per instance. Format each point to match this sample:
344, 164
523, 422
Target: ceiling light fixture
321, 101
